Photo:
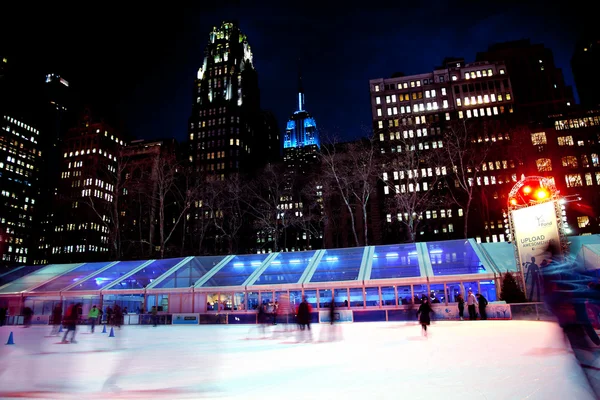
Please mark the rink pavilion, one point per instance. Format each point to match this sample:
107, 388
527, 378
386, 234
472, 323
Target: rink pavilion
387, 277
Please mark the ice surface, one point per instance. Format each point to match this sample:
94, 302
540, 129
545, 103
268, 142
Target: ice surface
459, 360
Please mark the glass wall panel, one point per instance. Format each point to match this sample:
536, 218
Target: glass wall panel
252, 300
436, 293
17, 273
41, 305
454, 257
129, 303
188, 274
147, 275
488, 290
237, 270
341, 297
108, 276
404, 295
372, 297
163, 302
239, 301
36, 278
470, 286
324, 298
388, 296
286, 268
266, 297
420, 292
339, 265
311, 298
356, 297
225, 302
212, 302
452, 291
295, 299
395, 261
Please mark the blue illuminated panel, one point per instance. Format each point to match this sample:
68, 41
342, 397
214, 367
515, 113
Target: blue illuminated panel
339, 265
107, 277
454, 257
286, 268
17, 273
236, 271
146, 275
395, 261
36, 278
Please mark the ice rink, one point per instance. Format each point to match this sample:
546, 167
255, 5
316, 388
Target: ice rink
459, 360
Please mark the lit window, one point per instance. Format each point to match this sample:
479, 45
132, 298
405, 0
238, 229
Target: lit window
469, 114
479, 74
377, 88
377, 100
427, 94
544, 164
445, 104
381, 137
454, 77
386, 189
489, 72
508, 97
379, 113
565, 140
379, 124
495, 109
486, 99
588, 179
583, 221
447, 116
493, 97
460, 115
502, 72
466, 75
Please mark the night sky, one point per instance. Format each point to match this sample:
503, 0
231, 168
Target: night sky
142, 61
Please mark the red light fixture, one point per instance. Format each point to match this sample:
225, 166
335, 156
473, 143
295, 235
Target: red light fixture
541, 194
527, 189
513, 201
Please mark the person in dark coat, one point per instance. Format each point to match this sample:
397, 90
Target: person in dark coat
461, 306
2, 316
304, 315
423, 315
27, 315
482, 305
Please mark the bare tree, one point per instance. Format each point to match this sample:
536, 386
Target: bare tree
467, 147
175, 193
268, 202
412, 182
352, 170
103, 197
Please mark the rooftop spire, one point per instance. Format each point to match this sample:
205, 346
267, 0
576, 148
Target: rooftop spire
300, 89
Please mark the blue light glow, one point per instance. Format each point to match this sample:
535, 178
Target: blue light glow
238, 264
439, 251
391, 255
331, 259
276, 262
255, 263
295, 261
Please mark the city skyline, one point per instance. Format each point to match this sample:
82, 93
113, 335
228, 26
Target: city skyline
146, 72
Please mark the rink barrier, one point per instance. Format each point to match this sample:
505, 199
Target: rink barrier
498, 311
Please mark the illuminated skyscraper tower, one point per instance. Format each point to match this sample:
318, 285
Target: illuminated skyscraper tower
301, 141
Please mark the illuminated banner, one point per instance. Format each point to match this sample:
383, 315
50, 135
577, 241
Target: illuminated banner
535, 231
185, 319
338, 315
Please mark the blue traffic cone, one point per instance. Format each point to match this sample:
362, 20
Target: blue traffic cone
10, 339
112, 333
104, 330
60, 329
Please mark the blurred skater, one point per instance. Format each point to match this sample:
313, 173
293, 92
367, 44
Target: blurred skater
334, 326
117, 316
2, 316
471, 303
93, 317
423, 315
27, 315
482, 305
154, 316
56, 319
109, 315
304, 310
71, 322
461, 306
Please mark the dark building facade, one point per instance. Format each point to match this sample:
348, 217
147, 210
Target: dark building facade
20, 164
540, 89
85, 207
584, 64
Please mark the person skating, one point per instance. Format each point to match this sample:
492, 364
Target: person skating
304, 316
56, 319
471, 303
154, 316
482, 305
71, 322
27, 315
423, 315
461, 306
93, 317
2, 315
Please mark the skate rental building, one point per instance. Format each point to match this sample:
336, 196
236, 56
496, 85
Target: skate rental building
373, 283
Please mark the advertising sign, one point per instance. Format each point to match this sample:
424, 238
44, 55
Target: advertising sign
536, 233
185, 319
338, 315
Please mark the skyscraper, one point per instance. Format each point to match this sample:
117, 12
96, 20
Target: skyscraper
84, 208
539, 86
226, 128
584, 64
20, 157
